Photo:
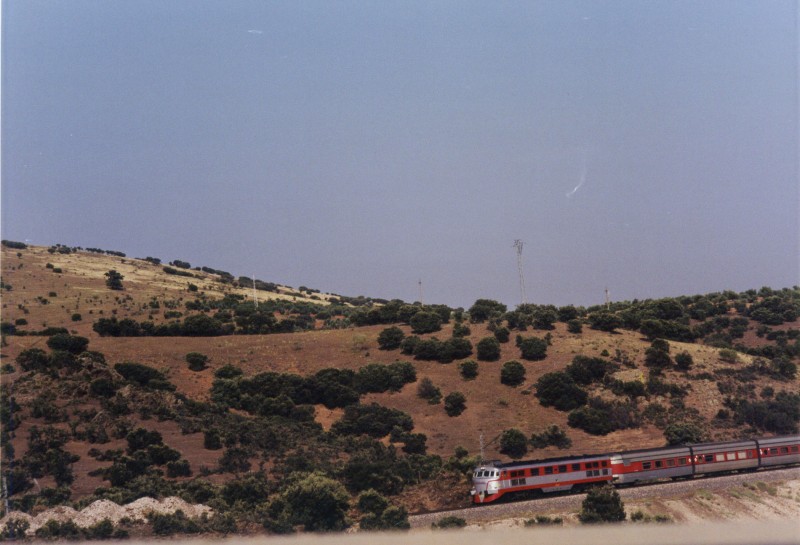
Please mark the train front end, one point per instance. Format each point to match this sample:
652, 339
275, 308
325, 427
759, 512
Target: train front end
486, 486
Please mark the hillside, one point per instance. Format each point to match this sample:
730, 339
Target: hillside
219, 424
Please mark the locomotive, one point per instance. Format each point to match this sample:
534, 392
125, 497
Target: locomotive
492, 479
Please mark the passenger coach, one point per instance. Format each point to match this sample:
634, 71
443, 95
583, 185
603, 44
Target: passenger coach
494, 479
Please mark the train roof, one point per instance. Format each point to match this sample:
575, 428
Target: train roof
500, 465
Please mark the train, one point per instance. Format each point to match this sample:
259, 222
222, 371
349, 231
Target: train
492, 479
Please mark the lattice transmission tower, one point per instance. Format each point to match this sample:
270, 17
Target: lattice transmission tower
518, 244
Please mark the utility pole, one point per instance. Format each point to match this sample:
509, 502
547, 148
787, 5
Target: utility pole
608, 300
420, 291
518, 244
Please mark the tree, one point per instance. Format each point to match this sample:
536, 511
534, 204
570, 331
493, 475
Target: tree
483, 309
196, 361
390, 338
512, 373
317, 502
602, 504
604, 321
114, 280
455, 403
468, 369
425, 322
683, 433
575, 326
684, 361
552, 436
73, 344
428, 391
533, 348
488, 349
513, 443
560, 391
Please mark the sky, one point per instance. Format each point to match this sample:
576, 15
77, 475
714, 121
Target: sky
361, 148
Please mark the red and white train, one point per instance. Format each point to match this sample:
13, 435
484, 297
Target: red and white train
492, 479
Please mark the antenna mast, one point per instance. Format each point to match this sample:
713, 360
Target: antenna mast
608, 300
255, 296
518, 244
420, 291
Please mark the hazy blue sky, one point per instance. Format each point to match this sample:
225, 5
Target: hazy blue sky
357, 147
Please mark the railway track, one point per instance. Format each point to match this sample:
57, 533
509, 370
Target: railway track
568, 502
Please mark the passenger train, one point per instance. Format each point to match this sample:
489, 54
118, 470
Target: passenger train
493, 479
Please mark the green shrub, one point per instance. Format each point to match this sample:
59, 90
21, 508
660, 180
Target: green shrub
602, 504
468, 369
425, 322
317, 502
196, 361
575, 326
455, 403
68, 343
533, 349
488, 349
512, 373
428, 391
390, 338
560, 391
552, 436
449, 522
513, 443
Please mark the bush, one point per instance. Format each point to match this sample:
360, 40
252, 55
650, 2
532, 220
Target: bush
552, 436
196, 361
373, 420
728, 356
683, 433
512, 373
228, 371
559, 391
317, 502
114, 280
455, 403
513, 443
684, 361
390, 338
428, 391
602, 504
425, 322
68, 343
488, 349
601, 417
533, 348
468, 369
144, 376
502, 334
449, 522
575, 326
483, 309
585, 370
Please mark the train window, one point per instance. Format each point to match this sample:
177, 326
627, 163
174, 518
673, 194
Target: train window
595, 464
646, 465
548, 470
659, 463
784, 450
795, 449
742, 454
534, 471
604, 463
730, 456
576, 467
708, 458
588, 472
720, 457
562, 469
682, 461
605, 472
773, 450
670, 463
